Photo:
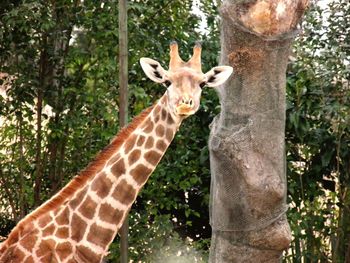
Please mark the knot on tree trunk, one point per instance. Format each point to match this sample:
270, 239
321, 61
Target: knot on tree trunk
269, 19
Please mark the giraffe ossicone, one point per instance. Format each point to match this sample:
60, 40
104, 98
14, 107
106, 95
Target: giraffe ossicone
79, 223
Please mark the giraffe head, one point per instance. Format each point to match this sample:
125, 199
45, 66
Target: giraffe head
184, 80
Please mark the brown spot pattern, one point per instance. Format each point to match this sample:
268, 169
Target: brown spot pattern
49, 258
77, 200
101, 185
124, 192
63, 217
149, 143
152, 157
12, 255
28, 241
156, 110
99, 235
161, 145
64, 250
29, 260
62, 232
148, 127
44, 220
88, 208
169, 135
113, 159
87, 255
134, 156
27, 229
48, 230
45, 247
129, 144
110, 215
118, 168
164, 114
77, 228
170, 119
141, 140
140, 173
160, 130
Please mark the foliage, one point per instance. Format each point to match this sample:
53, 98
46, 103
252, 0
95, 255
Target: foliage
318, 137
64, 98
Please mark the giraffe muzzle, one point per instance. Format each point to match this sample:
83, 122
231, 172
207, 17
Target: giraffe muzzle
185, 108
186, 102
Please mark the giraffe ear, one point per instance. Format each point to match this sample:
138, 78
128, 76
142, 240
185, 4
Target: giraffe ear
218, 75
153, 70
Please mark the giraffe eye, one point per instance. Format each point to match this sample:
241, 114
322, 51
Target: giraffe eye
167, 83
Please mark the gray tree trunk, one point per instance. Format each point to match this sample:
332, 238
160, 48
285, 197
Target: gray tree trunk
247, 149
123, 104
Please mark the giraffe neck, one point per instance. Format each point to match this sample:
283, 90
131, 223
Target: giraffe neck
109, 196
83, 225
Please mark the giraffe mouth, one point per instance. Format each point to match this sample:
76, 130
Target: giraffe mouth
184, 110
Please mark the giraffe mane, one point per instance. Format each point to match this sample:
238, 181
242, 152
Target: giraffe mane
79, 180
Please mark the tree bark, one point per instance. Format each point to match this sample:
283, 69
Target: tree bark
39, 107
123, 104
247, 149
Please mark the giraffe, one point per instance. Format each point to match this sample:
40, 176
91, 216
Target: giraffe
81, 220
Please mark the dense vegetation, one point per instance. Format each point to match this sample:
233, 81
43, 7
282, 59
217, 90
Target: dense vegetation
318, 137
61, 108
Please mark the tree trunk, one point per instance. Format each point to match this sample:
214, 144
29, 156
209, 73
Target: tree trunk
43, 70
123, 104
247, 150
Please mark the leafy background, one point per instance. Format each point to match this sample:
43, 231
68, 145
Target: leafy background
59, 107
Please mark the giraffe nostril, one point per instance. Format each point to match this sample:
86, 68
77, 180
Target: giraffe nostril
185, 101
